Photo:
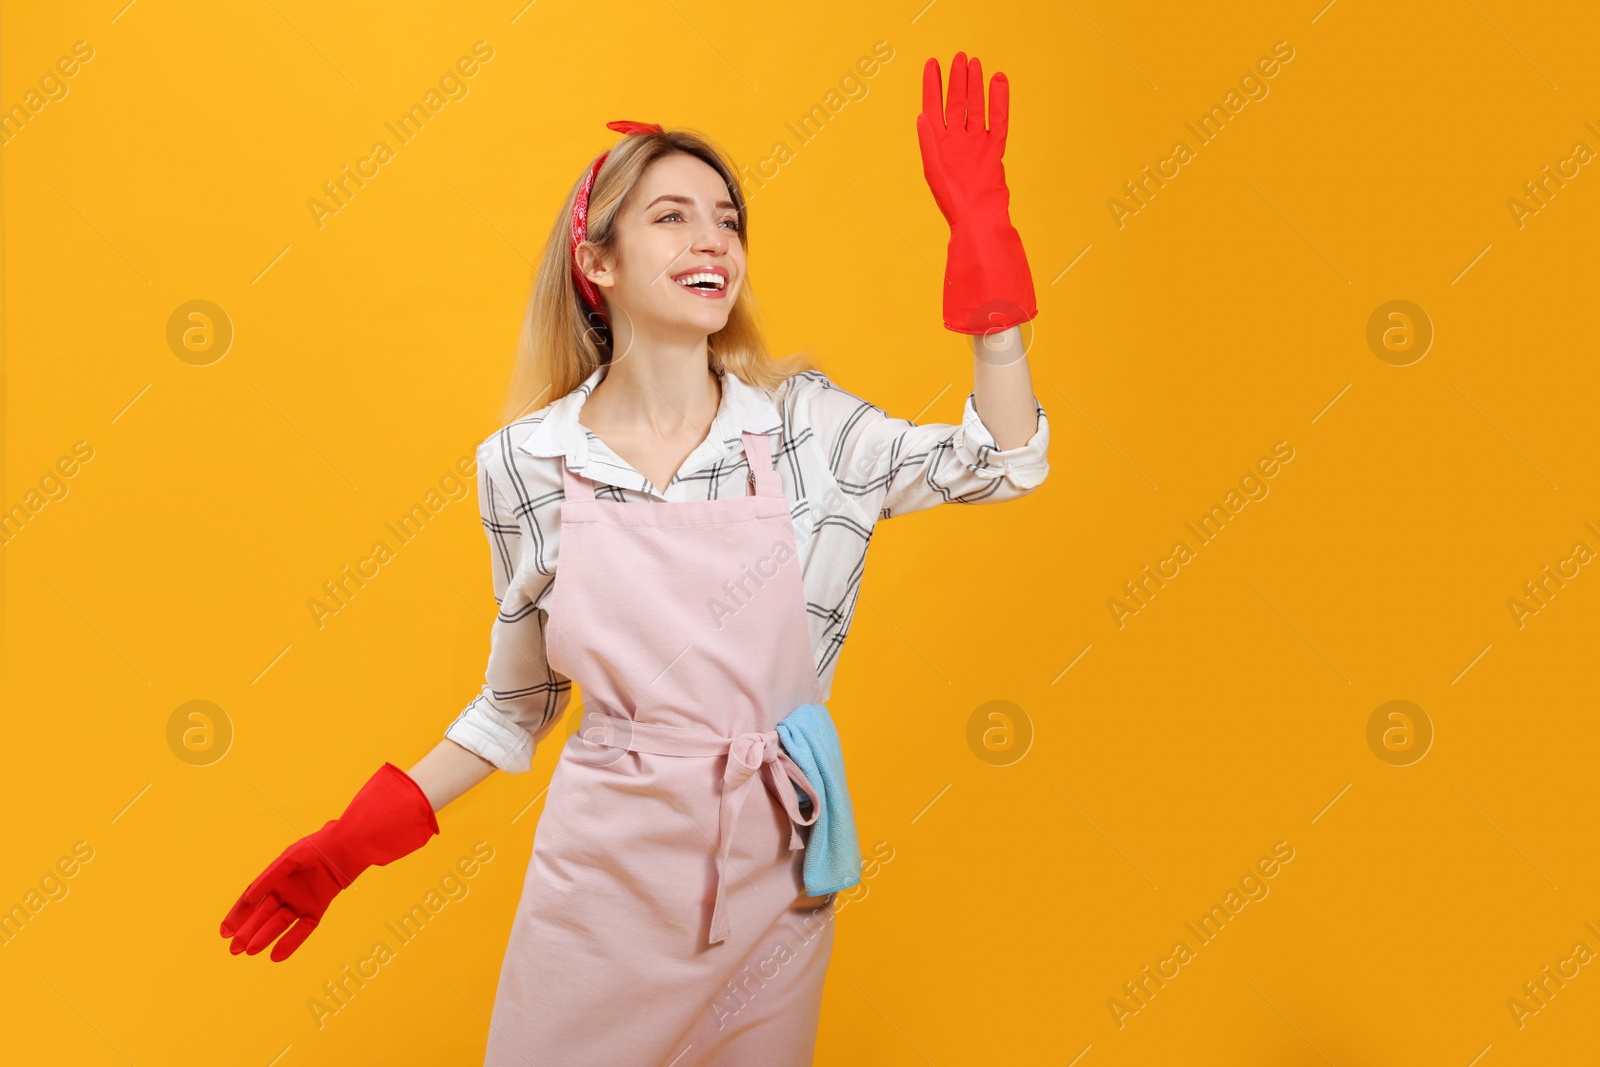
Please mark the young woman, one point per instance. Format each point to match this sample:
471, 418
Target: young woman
682, 532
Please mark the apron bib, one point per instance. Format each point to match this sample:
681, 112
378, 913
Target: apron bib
664, 918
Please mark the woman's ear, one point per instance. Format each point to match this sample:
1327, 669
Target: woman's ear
593, 265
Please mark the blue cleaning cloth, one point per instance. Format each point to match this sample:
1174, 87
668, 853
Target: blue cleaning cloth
833, 852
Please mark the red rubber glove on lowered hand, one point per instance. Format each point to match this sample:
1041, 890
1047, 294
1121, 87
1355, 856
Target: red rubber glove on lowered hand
987, 284
390, 817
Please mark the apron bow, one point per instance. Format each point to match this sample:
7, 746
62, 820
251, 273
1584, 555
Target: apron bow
748, 753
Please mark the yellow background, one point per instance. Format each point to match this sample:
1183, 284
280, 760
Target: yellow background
1229, 714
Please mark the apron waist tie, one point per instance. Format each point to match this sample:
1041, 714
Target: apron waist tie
747, 754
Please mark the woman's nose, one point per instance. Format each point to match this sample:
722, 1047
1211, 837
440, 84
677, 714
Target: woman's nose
712, 239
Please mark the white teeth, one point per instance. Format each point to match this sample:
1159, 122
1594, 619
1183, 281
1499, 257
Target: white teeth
691, 279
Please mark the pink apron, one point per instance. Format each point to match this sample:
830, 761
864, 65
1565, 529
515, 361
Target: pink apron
664, 918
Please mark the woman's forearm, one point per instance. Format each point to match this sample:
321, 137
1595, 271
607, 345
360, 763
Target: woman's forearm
1003, 388
448, 771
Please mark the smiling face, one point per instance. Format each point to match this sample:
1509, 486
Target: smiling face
680, 258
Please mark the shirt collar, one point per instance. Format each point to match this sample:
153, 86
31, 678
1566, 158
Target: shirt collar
559, 433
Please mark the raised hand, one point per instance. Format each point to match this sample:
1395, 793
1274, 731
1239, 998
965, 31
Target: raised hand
988, 285
961, 150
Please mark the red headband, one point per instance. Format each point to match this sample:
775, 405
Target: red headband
580, 212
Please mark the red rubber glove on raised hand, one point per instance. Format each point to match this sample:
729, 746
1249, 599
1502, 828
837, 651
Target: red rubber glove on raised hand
390, 817
987, 284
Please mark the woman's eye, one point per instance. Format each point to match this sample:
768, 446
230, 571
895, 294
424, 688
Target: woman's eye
676, 215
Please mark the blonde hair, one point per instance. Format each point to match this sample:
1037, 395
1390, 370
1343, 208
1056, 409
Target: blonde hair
563, 341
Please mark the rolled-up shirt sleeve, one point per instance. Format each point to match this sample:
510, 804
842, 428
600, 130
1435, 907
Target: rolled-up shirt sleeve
522, 698
901, 467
